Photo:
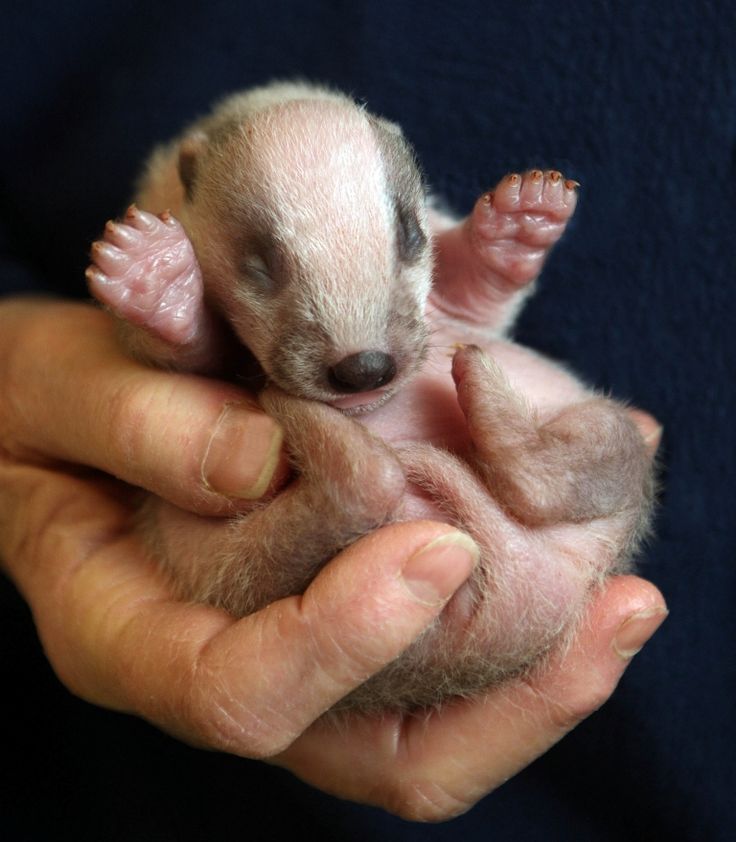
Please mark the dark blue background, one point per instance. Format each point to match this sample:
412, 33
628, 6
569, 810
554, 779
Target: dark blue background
636, 101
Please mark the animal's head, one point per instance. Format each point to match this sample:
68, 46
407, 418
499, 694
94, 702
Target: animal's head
308, 218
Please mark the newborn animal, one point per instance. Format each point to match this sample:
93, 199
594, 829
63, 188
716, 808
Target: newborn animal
296, 221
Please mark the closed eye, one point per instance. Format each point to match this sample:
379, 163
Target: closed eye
256, 271
410, 238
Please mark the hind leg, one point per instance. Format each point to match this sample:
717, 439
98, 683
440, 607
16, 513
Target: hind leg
350, 483
487, 263
585, 461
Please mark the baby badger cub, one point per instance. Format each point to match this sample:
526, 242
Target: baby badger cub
296, 222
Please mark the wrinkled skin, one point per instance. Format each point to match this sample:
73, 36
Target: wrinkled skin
297, 225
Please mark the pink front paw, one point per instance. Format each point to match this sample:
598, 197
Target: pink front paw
514, 226
145, 270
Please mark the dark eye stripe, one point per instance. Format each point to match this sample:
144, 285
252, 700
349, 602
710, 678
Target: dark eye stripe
410, 239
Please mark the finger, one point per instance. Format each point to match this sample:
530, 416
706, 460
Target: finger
251, 686
202, 444
437, 766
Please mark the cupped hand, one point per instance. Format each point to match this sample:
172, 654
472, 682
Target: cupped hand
258, 686
70, 394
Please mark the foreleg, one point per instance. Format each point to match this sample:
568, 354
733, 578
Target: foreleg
145, 271
487, 263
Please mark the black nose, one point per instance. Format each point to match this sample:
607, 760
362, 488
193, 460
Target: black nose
362, 372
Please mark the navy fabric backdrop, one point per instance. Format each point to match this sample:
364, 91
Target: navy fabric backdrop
635, 101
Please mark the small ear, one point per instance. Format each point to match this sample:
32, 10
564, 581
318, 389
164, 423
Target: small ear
387, 125
190, 150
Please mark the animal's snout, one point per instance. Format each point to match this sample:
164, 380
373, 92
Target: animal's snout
362, 372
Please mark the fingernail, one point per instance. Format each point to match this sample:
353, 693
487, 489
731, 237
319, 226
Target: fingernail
243, 452
634, 632
436, 571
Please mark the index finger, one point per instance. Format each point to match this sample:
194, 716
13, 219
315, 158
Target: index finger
72, 394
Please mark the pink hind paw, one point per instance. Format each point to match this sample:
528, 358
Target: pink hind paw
513, 227
145, 270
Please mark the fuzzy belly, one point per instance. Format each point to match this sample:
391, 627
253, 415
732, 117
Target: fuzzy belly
427, 409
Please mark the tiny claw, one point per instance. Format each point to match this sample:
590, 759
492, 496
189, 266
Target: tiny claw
140, 219
455, 347
121, 234
108, 256
554, 176
537, 176
572, 185
487, 198
165, 215
514, 178
94, 275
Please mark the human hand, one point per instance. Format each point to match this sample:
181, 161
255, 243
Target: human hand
257, 686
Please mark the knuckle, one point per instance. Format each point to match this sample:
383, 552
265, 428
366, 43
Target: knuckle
28, 526
340, 656
423, 801
579, 703
14, 378
128, 408
218, 720
124, 406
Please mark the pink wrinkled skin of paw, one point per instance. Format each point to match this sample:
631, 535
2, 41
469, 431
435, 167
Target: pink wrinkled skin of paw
513, 227
145, 270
